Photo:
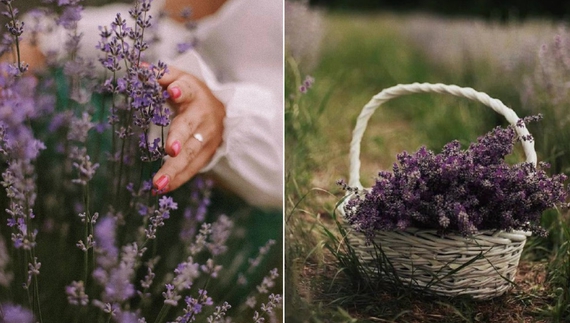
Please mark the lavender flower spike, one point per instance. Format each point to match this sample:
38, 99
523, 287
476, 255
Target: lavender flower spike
76, 294
194, 306
10, 313
5, 275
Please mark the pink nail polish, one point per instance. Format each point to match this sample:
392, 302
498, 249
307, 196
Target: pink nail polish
162, 182
176, 148
175, 92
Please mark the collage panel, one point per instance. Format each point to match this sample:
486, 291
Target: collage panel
141, 154
426, 161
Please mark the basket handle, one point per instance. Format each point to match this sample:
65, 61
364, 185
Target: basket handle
402, 89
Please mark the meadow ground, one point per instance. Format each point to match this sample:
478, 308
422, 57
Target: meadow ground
360, 55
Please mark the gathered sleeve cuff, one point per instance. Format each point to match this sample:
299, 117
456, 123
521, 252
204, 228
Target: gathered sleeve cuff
250, 158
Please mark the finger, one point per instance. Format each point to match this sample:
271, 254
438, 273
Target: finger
181, 129
182, 90
172, 75
178, 170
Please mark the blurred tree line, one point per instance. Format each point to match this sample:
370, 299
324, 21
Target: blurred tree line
505, 9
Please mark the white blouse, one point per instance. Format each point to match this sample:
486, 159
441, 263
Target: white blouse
239, 56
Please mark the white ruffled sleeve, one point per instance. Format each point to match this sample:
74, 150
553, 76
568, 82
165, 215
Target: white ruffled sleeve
242, 45
250, 160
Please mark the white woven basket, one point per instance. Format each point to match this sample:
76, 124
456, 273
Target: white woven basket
483, 266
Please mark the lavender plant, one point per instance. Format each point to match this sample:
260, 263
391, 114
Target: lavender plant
459, 191
304, 31
475, 43
191, 40
20, 149
91, 240
545, 90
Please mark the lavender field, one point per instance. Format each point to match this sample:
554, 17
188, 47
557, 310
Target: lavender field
85, 237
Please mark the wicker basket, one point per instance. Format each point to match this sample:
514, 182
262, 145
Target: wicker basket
482, 266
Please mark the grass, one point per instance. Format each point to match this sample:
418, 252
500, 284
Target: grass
363, 54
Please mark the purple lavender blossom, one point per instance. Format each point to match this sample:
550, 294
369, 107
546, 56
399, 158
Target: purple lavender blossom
186, 273
201, 238
307, 84
119, 287
65, 2
263, 250
82, 163
4, 143
128, 317
211, 268
6, 276
20, 149
304, 32
220, 233
17, 107
184, 47
12, 37
461, 191
147, 107
149, 277
80, 127
167, 203
106, 249
124, 46
6, 44
33, 270
60, 120
70, 16
274, 301
156, 220
10, 313
76, 294
82, 72
171, 297
195, 212
194, 306
219, 313
191, 41
21, 190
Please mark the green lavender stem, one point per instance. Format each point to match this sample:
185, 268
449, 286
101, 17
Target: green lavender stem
87, 220
162, 314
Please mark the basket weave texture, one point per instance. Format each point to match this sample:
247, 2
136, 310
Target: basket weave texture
483, 266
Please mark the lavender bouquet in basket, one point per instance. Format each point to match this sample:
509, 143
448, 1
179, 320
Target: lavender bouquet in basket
462, 191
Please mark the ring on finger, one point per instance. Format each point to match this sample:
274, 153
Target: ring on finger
199, 137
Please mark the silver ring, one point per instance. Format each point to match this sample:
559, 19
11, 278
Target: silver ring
198, 137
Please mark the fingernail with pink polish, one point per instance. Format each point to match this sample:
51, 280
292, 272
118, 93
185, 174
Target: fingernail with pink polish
175, 91
176, 148
162, 182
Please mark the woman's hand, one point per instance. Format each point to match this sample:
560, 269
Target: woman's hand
195, 131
